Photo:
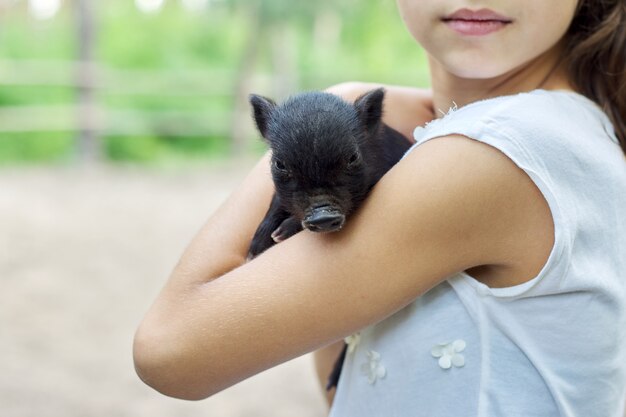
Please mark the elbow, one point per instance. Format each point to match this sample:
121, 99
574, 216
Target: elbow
168, 369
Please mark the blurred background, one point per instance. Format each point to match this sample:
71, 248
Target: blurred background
150, 80
123, 125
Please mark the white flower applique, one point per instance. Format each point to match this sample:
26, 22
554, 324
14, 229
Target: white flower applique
372, 368
448, 353
353, 341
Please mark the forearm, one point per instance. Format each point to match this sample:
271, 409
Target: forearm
219, 247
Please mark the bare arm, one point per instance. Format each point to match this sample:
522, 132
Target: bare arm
451, 204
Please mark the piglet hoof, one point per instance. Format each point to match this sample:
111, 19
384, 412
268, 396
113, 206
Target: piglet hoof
278, 236
287, 228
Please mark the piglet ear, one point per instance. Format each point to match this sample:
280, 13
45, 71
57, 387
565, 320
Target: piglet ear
262, 109
369, 107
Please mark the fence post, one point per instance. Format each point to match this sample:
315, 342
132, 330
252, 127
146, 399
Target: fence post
88, 145
243, 83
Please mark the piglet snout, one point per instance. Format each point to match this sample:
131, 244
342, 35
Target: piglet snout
324, 219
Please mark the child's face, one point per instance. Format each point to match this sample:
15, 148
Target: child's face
523, 30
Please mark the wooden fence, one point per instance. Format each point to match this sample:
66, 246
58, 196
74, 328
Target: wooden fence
92, 117
107, 82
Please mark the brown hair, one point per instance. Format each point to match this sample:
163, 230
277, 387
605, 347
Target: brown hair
596, 57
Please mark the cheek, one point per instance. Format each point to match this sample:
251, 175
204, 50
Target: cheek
545, 22
293, 201
285, 187
542, 24
415, 15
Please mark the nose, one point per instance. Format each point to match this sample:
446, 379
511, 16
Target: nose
324, 219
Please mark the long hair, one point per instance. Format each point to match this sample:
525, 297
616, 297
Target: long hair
595, 55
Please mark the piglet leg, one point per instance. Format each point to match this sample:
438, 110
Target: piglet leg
288, 228
262, 239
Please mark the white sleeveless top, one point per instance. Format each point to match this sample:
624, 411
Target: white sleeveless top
553, 346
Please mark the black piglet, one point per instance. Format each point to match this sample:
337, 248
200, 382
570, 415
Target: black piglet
327, 154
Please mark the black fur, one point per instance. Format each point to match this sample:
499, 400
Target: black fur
327, 154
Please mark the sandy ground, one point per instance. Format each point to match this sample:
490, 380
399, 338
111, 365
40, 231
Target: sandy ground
83, 253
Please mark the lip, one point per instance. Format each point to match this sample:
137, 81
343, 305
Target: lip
476, 22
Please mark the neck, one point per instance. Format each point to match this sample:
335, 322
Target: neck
546, 72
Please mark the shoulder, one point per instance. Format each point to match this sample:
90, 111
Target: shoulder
529, 140
496, 198
536, 129
538, 113
405, 107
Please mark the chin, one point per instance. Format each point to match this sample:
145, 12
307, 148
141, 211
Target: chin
481, 73
471, 64
477, 68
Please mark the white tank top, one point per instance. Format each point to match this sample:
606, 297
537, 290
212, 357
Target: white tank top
553, 346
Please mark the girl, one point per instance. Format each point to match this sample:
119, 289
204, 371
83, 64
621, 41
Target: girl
484, 275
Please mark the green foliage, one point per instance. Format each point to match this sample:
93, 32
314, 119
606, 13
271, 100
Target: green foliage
35, 147
371, 45
277, 11
172, 39
22, 37
23, 95
375, 46
196, 146
136, 148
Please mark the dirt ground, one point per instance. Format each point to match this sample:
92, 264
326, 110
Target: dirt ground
83, 252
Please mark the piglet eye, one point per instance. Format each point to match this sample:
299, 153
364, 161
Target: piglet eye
279, 165
353, 159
